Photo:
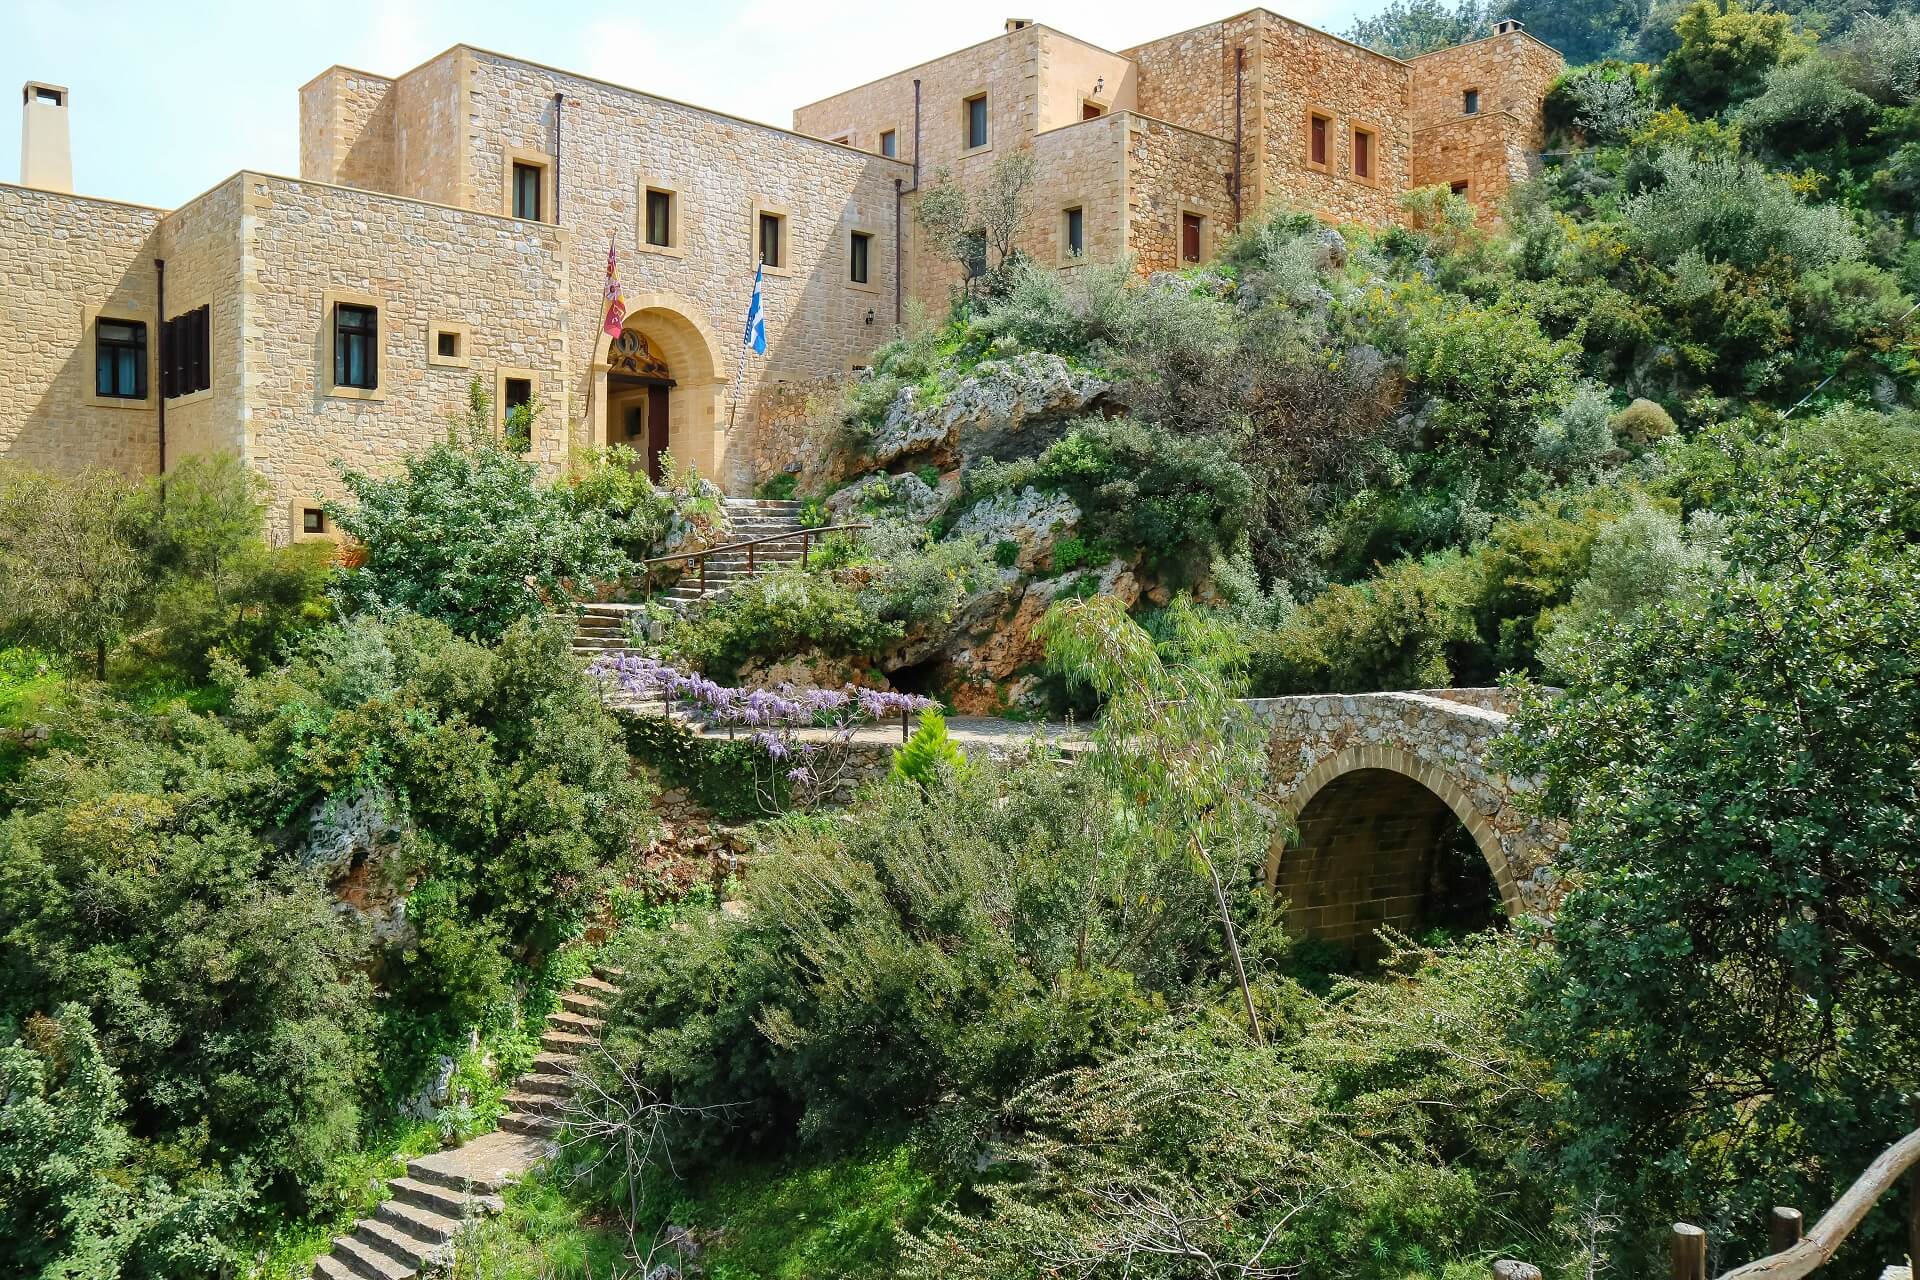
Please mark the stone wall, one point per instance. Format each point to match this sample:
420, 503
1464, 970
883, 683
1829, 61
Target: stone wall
62, 258
430, 113
1084, 165
1172, 172
419, 263
201, 242
346, 129
1304, 70
1188, 78
1499, 145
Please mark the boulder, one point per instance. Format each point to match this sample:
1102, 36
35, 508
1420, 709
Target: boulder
1002, 409
906, 496
1031, 520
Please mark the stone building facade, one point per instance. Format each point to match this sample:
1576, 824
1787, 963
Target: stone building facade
453, 223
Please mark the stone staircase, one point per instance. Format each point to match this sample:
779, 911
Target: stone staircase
603, 627
427, 1207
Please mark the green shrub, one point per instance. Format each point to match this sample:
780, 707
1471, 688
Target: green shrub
778, 488
1725, 53
1643, 422
460, 532
612, 483
774, 615
929, 757
718, 775
1406, 628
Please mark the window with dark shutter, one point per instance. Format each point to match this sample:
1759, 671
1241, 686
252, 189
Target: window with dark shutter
356, 346
976, 122
1470, 102
120, 359
1190, 237
1317, 129
185, 350
1076, 232
858, 249
1362, 153
889, 144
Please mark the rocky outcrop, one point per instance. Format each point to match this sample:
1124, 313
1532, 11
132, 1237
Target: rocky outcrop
906, 496
1031, 521
1003, 409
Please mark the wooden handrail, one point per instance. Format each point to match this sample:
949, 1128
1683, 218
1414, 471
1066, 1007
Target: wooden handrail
754, 542
1838, 1222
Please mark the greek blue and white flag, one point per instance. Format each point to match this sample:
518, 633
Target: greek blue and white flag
756, 335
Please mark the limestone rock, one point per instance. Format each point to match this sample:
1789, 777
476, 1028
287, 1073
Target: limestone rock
809, 670
1002, 409
992, 656
1032, 520
907, 496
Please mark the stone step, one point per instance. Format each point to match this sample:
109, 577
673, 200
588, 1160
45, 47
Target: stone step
421, 1224
582, 1003
397, 1243
363, 1260
566, 1042
566, 1020
525, 1102
551, 1086
529, 1125
554, 1064
484, 1166
444, 1201
595, 986
328, 1267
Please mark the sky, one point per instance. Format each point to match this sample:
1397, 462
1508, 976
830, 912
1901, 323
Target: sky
171, 97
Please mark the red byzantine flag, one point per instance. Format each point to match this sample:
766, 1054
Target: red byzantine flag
616, 305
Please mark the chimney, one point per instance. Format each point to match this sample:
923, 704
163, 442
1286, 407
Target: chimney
1507, 26
46, 155
1017, 24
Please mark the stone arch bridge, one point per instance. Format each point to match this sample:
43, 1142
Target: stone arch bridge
1367, 786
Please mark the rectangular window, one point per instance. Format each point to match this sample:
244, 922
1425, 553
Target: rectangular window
1319, 129
516, 412
448, 342
1458, 188
1470, 102
313, 520
1190, 226
659, 218
1076, 238
890, 144
120, 359
858, 253
1091, 111
1363, 154
527, 180
185, 350
976, 122
770, 246
356, 346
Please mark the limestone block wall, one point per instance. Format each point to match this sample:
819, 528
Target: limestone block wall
63, 257
723, 171
1188, 78
202, 243
1498, 146
1172, 172
308, 244
1441, 743
1083, 164
1490, 153
428, 112
1302, 70
346, 129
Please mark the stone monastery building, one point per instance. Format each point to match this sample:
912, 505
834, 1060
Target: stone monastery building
453, 222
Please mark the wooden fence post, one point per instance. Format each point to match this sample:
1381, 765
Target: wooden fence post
1689, 1252
1783, 1229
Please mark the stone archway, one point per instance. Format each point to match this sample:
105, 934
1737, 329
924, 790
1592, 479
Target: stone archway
1368, 785
665, 347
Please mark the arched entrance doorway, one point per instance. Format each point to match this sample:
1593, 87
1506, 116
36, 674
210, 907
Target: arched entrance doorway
1373, 846
661, 386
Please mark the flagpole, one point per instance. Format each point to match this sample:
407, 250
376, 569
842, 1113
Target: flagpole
609, 297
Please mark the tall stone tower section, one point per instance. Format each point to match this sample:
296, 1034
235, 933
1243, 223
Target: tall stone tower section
46, 152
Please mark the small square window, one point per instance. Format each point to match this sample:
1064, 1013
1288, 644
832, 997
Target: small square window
120, 359
447, 343
1091, 111
976, 122
356, 346
1470, 102
890, 144
859, 252
660, 218
528, 179
313, 520
1075, 237
772, 240
1459, 188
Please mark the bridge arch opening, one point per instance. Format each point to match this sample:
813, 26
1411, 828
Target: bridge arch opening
1373, 845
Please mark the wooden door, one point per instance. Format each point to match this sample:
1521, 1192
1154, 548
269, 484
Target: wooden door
656, 430
1189, 237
